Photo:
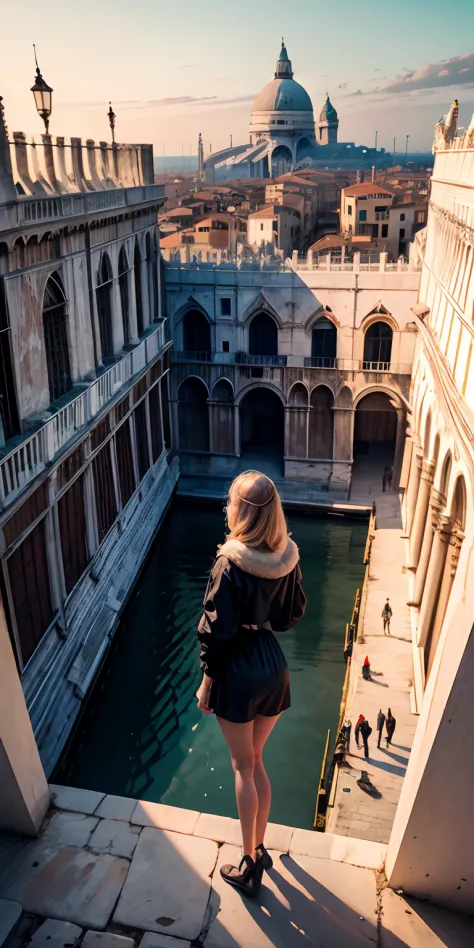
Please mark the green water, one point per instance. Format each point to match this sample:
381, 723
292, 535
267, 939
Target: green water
142, 735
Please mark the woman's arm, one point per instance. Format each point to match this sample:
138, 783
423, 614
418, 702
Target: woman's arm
220, 619
294, 605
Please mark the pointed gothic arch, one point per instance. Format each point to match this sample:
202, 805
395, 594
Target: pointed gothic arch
104, 306
124, 295
56, 337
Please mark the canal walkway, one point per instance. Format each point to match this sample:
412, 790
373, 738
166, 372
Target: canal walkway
355, 813
111, 872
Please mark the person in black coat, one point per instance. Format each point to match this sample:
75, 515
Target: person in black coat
380, 724
390, 725
254, 588
365, 731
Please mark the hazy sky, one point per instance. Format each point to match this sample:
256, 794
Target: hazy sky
173, 69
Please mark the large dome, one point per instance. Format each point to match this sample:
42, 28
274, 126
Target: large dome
282, 95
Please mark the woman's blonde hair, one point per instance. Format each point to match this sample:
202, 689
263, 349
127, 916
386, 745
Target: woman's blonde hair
257, 517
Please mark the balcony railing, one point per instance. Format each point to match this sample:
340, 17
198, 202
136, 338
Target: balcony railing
325, 363
320, 362
29, 210
31, 457
244, 358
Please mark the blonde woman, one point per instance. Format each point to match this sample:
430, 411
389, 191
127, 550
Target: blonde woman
254, 587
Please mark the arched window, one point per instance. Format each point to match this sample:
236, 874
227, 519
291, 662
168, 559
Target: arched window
263, 335
223, 417
104, 306
137, 270
323, 344
402, 217
378, 347
152, 275
123, 286
196, 335
321, 423
193, 416
55, 338
281, 160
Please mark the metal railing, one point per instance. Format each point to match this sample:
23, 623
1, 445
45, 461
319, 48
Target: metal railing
326, 363
27, 460
244, 358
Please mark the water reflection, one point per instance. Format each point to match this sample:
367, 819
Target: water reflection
143, 736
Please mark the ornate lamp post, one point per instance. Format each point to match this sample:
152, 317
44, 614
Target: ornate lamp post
111, 116
43, 95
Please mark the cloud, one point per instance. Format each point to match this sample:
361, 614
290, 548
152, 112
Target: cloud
446, 72
343, 85
350, 95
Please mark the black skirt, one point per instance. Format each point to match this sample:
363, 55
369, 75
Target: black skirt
254, 678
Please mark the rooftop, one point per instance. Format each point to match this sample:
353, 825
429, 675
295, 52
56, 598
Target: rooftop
366, 188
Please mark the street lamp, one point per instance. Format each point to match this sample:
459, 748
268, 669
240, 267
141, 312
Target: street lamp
112, 117
43, 96
406, 146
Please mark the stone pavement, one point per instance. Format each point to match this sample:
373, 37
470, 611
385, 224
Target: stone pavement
109, 872
355, 813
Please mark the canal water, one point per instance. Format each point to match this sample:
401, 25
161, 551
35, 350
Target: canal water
142, 735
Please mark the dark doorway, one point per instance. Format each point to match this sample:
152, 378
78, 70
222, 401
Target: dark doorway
323, 344
263, 335
196, 335
262, 426
193, 416
9, 419
104, 307
375, 431
281, 160
378, 347
55, 338
123, 286
137, 269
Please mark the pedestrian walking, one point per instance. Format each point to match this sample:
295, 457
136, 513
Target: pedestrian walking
386, 616
385, 479
366, 669
360, 719
366, 731
390, 725
380, 724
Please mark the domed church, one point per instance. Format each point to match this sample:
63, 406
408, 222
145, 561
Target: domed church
282, 133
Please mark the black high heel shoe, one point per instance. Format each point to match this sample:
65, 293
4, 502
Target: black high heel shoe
244, 876
263, 863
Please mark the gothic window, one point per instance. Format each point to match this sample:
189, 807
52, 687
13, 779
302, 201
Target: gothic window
104, 307
123, 286
378, 346
197, 335
137, 270
321, 423
55, 338
263, 335
323, 344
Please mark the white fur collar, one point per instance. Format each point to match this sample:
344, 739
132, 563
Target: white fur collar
260, 563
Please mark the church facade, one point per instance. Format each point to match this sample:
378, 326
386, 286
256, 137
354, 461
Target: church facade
283, 134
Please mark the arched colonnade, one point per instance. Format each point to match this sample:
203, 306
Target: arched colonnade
435, 509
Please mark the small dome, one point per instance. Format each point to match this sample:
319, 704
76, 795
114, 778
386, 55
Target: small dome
328, 112
282, 95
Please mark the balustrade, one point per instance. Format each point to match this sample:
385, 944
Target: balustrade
31, 457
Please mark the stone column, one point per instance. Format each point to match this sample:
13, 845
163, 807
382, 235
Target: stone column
237, 429
439, 550
449, 572
412, 489
342, 449
421, 513
406, 463
24, 796
287, 430
399, 447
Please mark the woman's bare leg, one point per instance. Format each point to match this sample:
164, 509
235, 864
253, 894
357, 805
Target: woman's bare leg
239, 739
262, 728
